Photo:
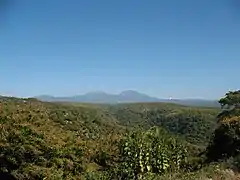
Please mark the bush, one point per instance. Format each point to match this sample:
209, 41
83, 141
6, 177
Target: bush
154, 151
226, 140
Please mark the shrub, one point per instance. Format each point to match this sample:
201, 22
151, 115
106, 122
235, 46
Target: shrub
226, 139
154, 151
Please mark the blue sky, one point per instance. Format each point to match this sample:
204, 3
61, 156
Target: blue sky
182, 49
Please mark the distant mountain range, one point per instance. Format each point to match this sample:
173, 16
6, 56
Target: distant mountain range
126, 97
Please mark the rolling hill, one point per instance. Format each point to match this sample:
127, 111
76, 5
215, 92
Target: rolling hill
72, 140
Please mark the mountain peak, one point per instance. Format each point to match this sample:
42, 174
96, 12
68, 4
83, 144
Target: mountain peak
96, 93
129, 92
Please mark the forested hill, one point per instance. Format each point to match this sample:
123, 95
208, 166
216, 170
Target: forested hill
194, 124
69, 140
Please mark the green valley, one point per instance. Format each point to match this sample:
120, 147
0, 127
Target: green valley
57, 140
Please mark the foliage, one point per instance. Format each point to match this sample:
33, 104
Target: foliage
210, 172
154, 151
40, 140
43, 140
226, 139
194, 124
231, 100
230, 105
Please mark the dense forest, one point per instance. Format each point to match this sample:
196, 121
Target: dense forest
151, 141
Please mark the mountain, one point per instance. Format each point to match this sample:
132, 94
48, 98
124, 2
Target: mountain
128, 96
102, 97
134, 96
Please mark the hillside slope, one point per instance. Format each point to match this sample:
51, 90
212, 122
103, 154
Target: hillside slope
67, 140
43, 138
194, 124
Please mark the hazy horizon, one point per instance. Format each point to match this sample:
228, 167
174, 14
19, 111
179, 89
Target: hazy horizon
110, 93
179, 49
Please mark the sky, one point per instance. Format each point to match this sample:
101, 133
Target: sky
164, 48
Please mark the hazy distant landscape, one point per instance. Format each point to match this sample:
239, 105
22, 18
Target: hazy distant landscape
120, 90
126, 97
67, 139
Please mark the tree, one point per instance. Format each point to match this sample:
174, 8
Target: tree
231, 99
226, 139
230, 105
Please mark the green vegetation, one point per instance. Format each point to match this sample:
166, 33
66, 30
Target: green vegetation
194, 124
49, 140
153, 151
226, 139
56, 141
